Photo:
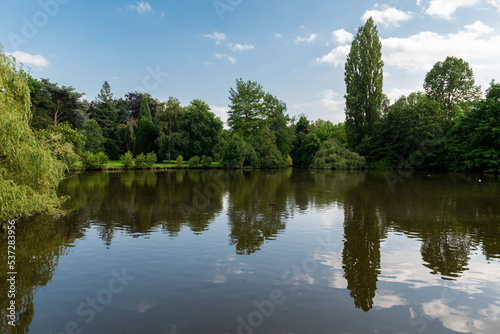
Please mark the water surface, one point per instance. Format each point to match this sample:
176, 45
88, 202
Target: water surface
293, 251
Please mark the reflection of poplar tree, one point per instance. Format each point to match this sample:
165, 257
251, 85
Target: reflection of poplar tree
361, 255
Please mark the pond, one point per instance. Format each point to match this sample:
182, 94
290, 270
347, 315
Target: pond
290, 251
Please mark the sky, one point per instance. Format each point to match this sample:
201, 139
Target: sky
197, 49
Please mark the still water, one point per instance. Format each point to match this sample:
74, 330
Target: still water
293, 251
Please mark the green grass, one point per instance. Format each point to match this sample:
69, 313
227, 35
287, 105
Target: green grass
116, 164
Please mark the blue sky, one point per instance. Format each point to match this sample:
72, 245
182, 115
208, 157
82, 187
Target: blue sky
198, 48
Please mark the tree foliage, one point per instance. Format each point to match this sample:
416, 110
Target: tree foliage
452, 83
170, 124
246, 108
145, 133
473, 144
333, 155
364, 80
29, 173
203, 128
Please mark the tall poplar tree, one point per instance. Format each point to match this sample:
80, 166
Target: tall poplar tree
146, 132
364, 80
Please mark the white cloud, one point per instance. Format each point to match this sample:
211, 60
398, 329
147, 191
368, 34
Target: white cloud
217, 36
495, 3
37, 61
309, 39
395, 93
240, 47
328, 105
421, 51
342, 36
278, 35
446, 8
331, 100
232, 60
336, 57
220, 112
141, 7
386, 16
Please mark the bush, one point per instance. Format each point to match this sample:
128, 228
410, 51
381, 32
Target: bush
93, 161
194, 161
180, 161
333, 155
151, 159
288, 161
206, 161
127, 160
140, 161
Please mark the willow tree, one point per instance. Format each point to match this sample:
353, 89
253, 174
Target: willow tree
29, 173
364, 80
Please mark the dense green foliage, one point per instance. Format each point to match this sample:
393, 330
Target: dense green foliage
145, 133
95, 161
170, 124
333, 155
29, 172
364, 80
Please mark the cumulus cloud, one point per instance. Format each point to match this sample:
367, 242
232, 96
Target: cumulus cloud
386, 16
421, 51
220, 112
37, 61
240, 47
336, 57
495, 3
217, 36
141, 7
309, 39
342, 36
446, 8
222, 56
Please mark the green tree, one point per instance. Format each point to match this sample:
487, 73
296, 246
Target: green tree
237, 153
452, 82
146, 133
56, 105
204, 130
29, 174
473, 144
170, 123
109, 113
266, 150
278, 122
308, 148
411, 131
246, 112
364, 81
333, 155
126, 135
94, 138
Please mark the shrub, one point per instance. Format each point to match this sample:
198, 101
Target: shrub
194, 161
206, 161
140, 161
180, 161
95, 161
127, 160
151, 159
288, 161
333, 155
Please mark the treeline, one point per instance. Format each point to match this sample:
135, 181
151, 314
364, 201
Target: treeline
448, 126
140, 130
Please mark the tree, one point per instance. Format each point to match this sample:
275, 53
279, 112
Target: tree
109, 113
237, 153
364, 81
203, 128
451, 82
473, 144
146, 133
301, 131
29, 174
411, 130
126, 135
333, 155
134, 100
308, 148
266, 150
278, 123
95, 139
170, 123
55, 105
246, 108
